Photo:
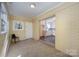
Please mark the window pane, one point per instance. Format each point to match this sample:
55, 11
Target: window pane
3, 21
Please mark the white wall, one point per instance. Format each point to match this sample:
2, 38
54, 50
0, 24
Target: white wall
67, 30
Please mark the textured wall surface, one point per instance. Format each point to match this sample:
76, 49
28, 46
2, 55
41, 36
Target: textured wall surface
67, 30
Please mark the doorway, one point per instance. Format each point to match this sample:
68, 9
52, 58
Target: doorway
47, 30
28, 30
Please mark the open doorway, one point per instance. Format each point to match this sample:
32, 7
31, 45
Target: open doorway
47, 30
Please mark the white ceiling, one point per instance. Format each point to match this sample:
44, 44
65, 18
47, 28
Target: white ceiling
23, 8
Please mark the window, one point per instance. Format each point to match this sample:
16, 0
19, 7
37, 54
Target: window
50, 23
18, 25
3, 21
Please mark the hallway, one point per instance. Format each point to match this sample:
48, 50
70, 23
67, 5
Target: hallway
32, 48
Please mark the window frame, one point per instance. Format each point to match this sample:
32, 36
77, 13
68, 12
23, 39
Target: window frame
3, 21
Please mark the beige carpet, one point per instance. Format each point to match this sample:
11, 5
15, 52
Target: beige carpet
32, 48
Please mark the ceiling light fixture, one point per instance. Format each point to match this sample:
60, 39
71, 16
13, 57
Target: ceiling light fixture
32, 5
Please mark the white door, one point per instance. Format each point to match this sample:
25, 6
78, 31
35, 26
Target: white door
28, 30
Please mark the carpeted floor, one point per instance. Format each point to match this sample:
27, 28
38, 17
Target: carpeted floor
32, 48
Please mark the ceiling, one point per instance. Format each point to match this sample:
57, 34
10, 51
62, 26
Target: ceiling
23, 8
